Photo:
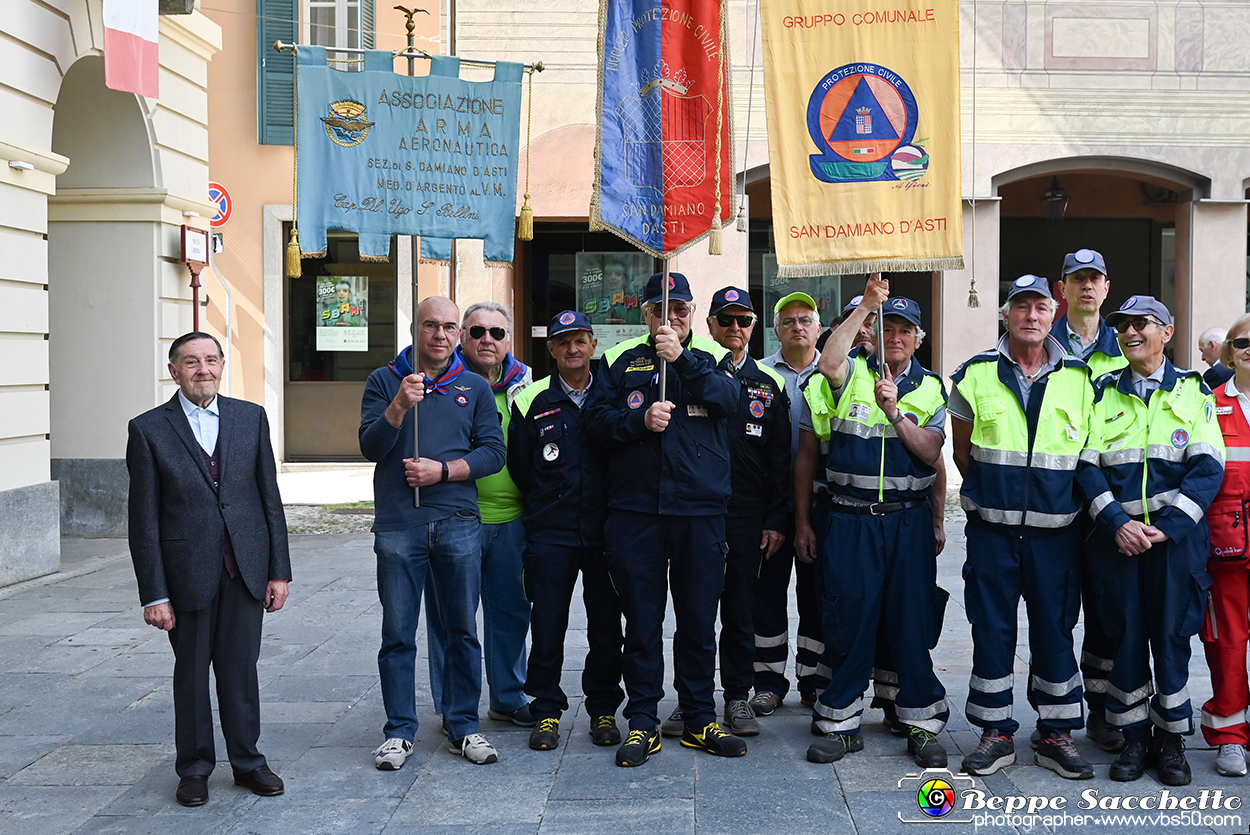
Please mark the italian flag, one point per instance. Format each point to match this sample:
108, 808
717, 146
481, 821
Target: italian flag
131, 55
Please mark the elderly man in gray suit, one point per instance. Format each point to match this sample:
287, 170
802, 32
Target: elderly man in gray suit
209, 544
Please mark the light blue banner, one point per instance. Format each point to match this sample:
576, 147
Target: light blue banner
383, 154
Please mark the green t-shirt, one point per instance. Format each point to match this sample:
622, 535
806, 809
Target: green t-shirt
498, 498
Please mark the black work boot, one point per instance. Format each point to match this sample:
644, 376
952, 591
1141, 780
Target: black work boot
1169, 751
1133, 761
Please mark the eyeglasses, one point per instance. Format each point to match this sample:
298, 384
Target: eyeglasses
1139, 324
434, 327
478, 331
1241, 343
744, 320
679, 309
793, 321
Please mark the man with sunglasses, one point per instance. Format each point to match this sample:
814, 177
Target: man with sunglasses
797, 324
485, 348
668, 489
1082, 331
460, 442
1152, 466
759, 505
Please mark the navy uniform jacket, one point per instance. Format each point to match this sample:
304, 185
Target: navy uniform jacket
759, 448
684, 470
558, 466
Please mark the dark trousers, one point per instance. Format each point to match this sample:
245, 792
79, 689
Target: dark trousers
1097, 648
646, 554
1153, 603
225, 634
737, 634
771, 620
1004, 564
880, 580
550, 574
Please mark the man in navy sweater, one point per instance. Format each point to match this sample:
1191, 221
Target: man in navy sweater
460, 441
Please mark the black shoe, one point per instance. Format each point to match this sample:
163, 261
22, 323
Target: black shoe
674, 726
1106, 737
992, 753
638, 748
261, 781
1035, 739
1058, 753
855, 740
1134, 758
714, 739
546, 735
521, 716
925, 749
892, 721
603, 731
1169, 751
832, 747
193, 791
764, 702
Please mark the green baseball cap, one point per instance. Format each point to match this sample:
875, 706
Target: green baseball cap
784, 301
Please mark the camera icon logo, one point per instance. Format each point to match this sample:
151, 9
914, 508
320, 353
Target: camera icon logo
935, 791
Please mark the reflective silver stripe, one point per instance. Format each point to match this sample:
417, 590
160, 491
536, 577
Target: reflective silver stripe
1202, 448
771, 641
1057, 688
826, 726
987, 714
838, 714
1168, 701
887, 676
1165, 452
933, 726
1210, 720
821, 670
845, 426
1123, 456
1003, 457
1088, 659
911, 715
1130, 698
1095, 685
805, 642
1180, 726
871, 482
1033, 519
1099, 503
1137, 714
778, 667
992, 685
885, 691
1188, 506
1072, 711
1155, 502
1045, 461
1237, 453
1090, 456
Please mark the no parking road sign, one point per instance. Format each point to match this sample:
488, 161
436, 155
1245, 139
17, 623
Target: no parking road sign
219, 197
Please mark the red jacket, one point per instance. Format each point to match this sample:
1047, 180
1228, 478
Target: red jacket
1227, 516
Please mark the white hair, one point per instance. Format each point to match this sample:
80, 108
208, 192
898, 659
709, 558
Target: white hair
1002, 311
492, 306
1213, 336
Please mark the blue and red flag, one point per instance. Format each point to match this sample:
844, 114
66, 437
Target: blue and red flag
663, 173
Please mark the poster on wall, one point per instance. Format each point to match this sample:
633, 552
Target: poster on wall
829, 291
610, 286
342, 317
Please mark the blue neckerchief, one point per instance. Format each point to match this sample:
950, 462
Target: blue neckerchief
513, 370
401, 367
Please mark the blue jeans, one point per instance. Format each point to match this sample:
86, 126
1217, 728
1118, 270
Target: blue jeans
448, 551
505, 618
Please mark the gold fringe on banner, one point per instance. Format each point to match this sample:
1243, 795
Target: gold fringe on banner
870, 265
380, 259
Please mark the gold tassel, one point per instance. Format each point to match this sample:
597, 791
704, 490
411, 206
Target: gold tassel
715, 243
294, 269
525, 226
973, 299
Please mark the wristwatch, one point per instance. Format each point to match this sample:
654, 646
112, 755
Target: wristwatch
897, 418
446, 473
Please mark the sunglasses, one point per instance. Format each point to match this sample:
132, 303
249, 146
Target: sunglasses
1241, 343
1139, 324
478, 331
744, 320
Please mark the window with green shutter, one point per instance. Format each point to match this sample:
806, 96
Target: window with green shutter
277, 20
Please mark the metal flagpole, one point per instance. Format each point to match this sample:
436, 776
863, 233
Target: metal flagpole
879, 332
411, 55
664, 314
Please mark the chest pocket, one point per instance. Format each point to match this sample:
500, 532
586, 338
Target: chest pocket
1072, 429
550, 429
990, 420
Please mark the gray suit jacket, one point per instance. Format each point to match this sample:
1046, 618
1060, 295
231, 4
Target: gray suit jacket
178, 517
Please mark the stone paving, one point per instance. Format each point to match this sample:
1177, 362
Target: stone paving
86, 734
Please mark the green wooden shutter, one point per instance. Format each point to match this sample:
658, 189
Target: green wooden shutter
367, 25
277, 20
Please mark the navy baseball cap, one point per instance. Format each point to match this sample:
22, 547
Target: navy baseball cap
1030, 284
1084, 259
1140, 306
569, 320
678, 288
906, 308
730, 297
852, 304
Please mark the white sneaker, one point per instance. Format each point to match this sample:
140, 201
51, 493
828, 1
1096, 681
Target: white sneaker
475, 749
392, 754
1231, 760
